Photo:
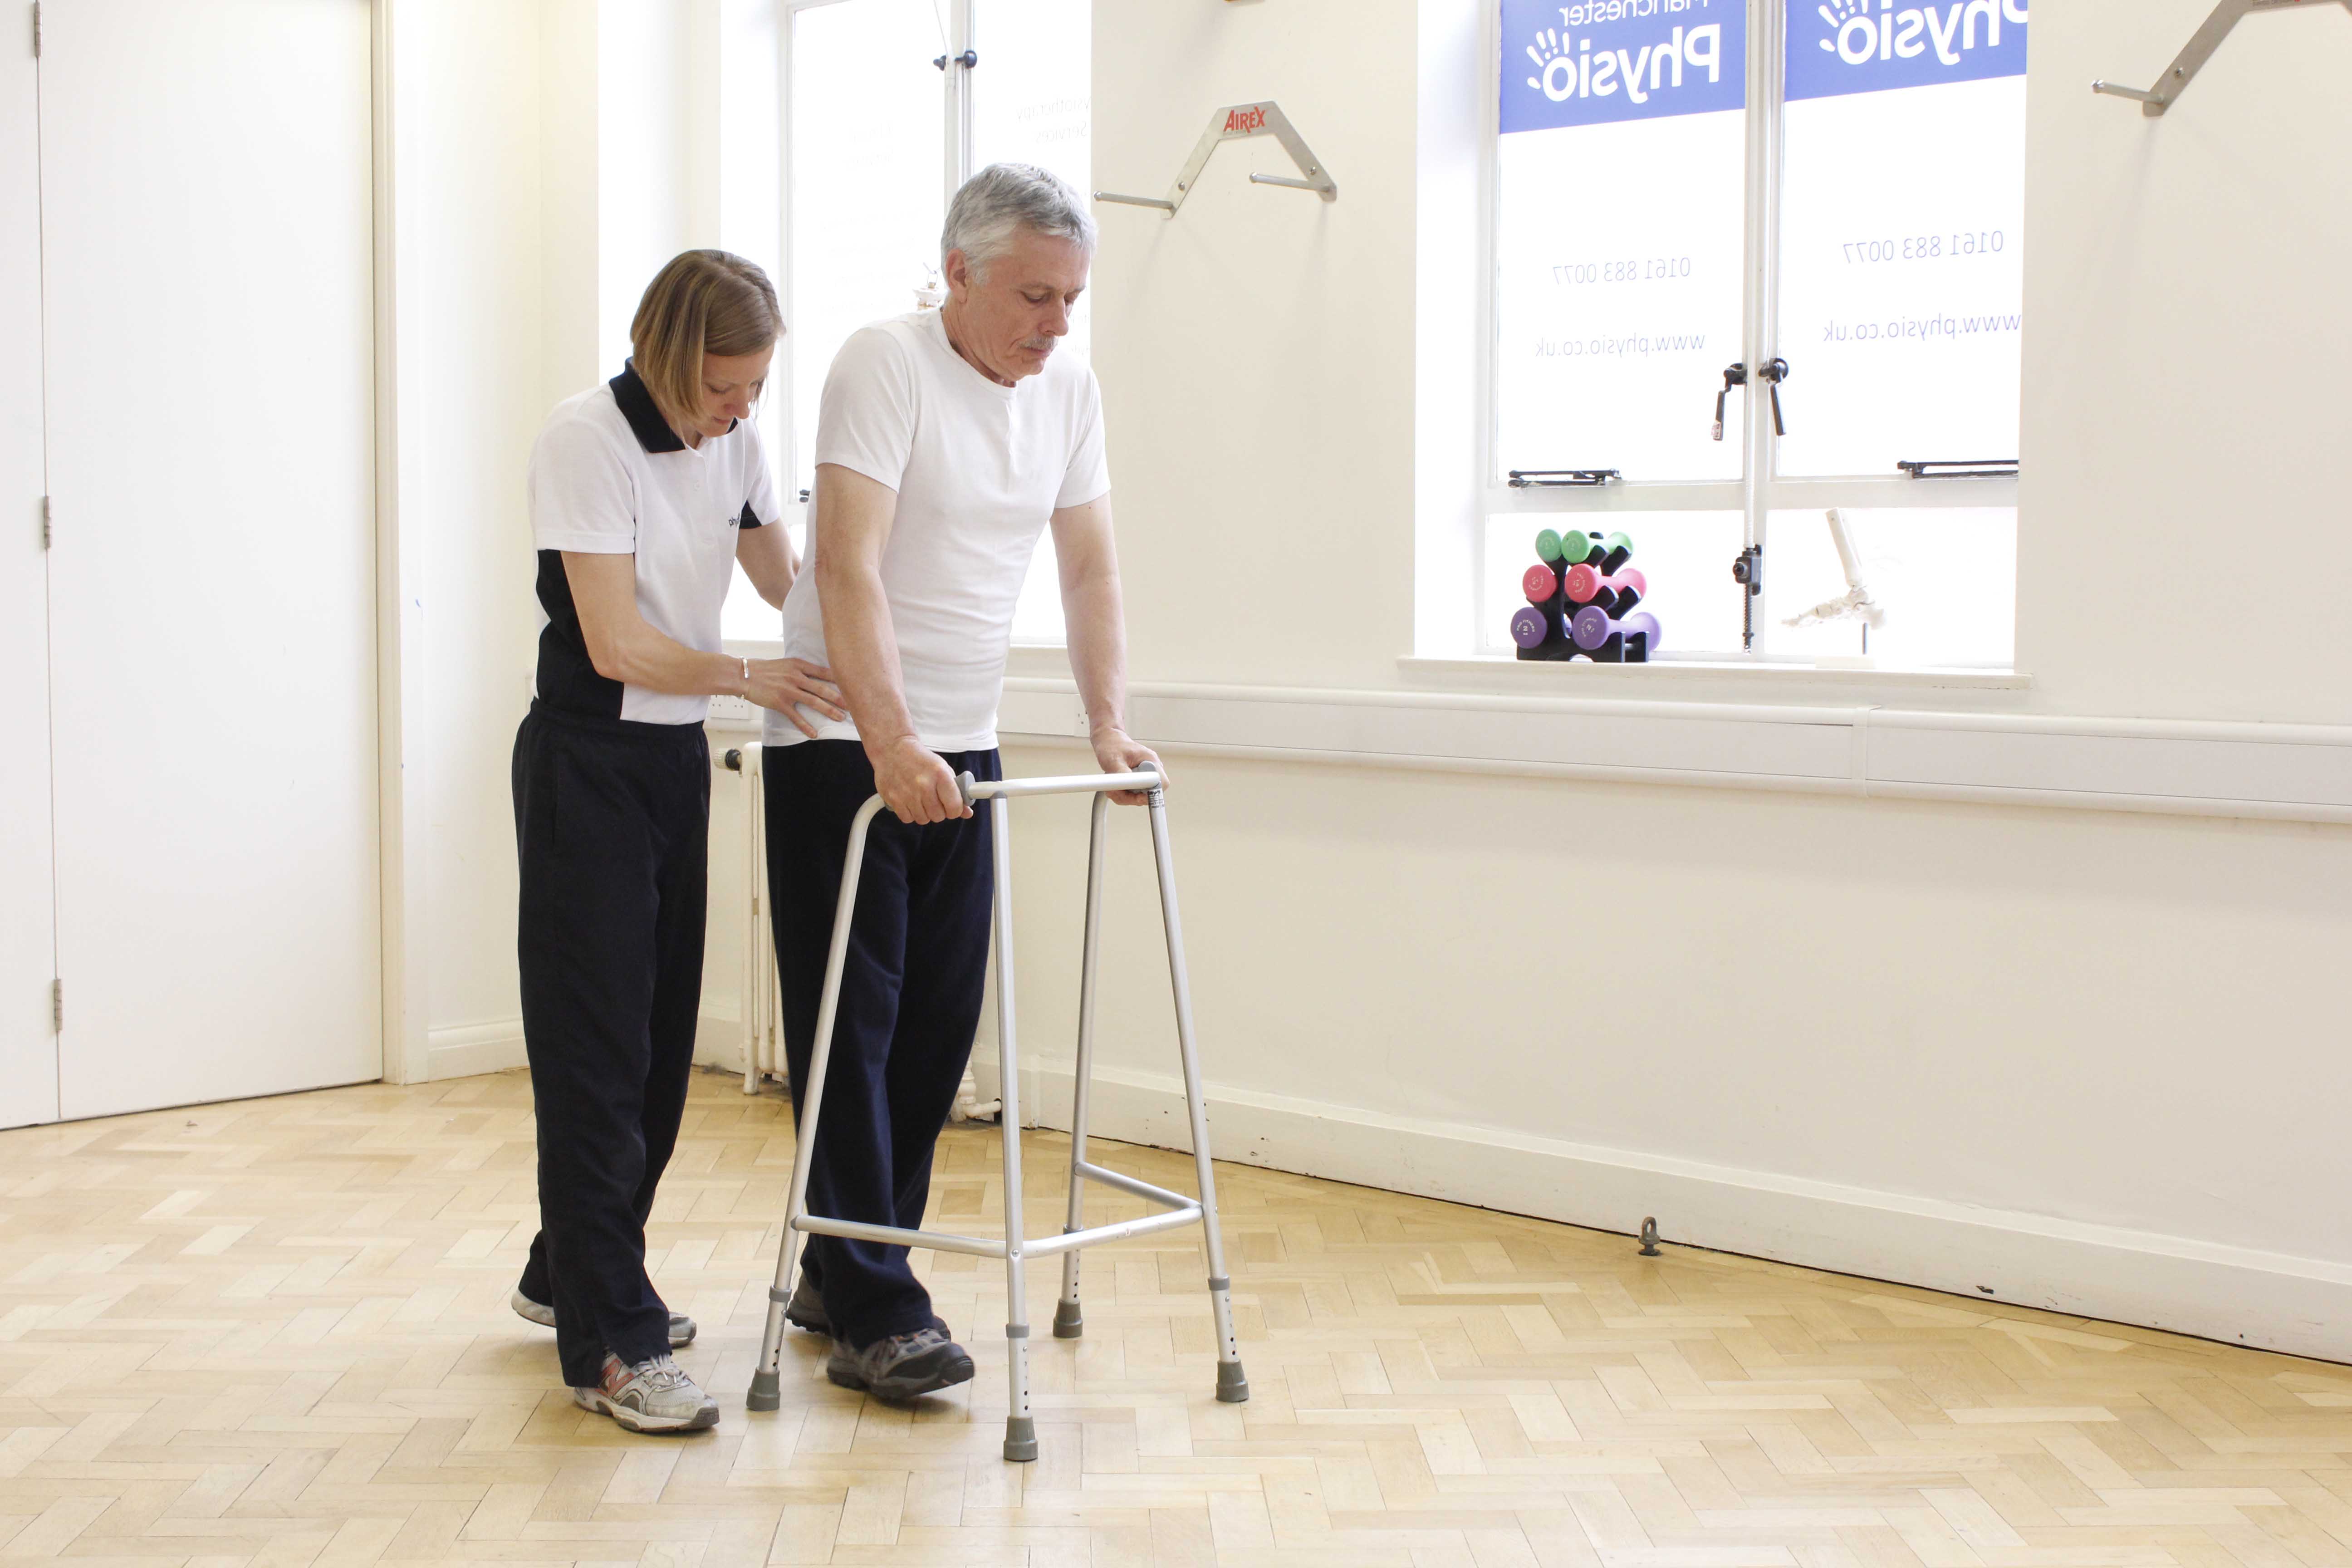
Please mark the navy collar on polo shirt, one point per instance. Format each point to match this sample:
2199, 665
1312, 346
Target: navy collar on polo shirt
636, 400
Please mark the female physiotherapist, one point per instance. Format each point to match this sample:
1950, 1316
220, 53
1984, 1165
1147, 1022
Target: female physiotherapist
644, 493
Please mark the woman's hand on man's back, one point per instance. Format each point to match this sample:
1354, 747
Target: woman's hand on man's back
789, 685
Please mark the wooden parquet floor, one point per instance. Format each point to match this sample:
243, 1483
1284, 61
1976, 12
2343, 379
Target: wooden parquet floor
274, 1334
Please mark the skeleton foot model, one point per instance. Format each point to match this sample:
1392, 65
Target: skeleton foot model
1855, 604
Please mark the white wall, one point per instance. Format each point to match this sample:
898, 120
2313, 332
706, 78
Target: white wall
2084, 1060
571, 164
2184, 361
1258, 363
550, 156
2078, 1060
471, 300
658, 167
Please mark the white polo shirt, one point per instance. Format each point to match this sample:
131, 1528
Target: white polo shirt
609, 477
980, 470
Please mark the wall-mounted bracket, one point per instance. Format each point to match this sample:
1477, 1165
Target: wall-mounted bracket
2192, 59
1236, 124
1958, 468
1560, 478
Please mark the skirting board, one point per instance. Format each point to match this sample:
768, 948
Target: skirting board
718, 1039
2301, 1306
472, 1048
2270, 1300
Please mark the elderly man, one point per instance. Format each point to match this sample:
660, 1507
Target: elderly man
946, 442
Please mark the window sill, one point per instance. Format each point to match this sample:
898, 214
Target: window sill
1042, 660
1515, 675
1838, 743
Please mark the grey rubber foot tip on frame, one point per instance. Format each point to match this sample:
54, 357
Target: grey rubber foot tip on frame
1233, 1388
1068, 1321
1020, 1438
767, 1391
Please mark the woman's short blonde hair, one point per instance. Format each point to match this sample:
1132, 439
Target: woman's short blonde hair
702, 302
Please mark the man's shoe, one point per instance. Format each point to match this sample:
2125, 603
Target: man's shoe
806, 1309
653, 1396
902, 1365
682, 1328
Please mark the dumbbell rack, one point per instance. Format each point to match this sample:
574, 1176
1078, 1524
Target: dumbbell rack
1542, 629
1015, 1248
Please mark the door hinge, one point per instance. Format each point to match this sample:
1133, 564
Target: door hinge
56, 1006
45, 522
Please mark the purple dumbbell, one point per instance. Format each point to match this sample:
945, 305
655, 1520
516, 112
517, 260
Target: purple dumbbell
1592, 629
1528, 627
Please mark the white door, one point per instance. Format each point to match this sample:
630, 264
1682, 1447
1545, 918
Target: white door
207, 237
28, 1050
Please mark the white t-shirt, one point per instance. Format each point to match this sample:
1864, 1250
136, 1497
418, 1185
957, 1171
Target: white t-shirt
980, 469
609, 477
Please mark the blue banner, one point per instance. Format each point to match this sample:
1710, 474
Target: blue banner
1838, 46
1586, 62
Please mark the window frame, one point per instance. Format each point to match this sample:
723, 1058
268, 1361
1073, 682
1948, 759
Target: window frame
1762, 490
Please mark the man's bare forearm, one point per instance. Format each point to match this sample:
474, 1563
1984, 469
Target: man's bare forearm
863, 650
1092, 609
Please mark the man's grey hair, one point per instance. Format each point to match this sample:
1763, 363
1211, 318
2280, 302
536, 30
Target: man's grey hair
1003, 199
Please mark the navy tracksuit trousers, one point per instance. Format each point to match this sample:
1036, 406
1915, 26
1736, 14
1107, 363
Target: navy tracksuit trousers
910, 996
611, 829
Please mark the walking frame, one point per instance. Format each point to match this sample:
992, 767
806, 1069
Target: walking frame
1020, 1427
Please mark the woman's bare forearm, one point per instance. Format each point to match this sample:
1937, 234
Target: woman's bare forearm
655, 663
624, 648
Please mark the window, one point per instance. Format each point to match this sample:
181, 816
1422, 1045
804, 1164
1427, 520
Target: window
1032, 103
1824, 195
881, 122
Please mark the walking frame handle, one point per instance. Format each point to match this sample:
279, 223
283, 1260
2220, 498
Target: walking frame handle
1146, 777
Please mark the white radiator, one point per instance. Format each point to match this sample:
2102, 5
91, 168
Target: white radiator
762, 1005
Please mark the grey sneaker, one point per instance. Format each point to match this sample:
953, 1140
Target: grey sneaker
682, 1328
807, 1311
901, 1366
652, 1396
